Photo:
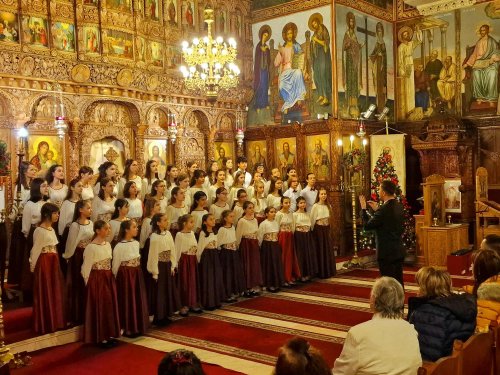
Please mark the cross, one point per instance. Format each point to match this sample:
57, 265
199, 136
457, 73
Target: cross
367, 33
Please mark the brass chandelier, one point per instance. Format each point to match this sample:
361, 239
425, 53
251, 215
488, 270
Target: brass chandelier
210, 62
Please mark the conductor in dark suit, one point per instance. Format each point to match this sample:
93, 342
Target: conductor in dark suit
387, 222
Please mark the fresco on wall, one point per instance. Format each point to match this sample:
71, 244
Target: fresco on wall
365, 67
91, 39
480, 55
292, 68
35, 31
120, 44
261, 4
427, 73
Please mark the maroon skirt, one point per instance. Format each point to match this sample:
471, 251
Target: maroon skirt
132, 300
324, 251
212, 291
75, 288
272, 265
188, 280
149, 283
16, 253
250, 256
48, 295
101, 307
290, 264
233, 275
305, 250
61, 247
168, 300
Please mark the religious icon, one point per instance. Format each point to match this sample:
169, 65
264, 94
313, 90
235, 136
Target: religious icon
156, 50
44, 151
153, 9
91, 39
188, 13
120, 44
452, 196
321, 59
63, 36
172, 12
107, 149
286, 154
318, 156
35, 31
256, 154
223, 152
120, 5
9, 27
262, 65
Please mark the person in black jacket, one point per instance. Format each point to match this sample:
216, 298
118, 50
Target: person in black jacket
440, 316
387, 222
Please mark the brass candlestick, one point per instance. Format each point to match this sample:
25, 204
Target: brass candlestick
5, 354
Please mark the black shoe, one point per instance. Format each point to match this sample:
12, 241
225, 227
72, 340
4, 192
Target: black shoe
184, 314
196, 311
209, 308
248, 294
254, 293
231, 300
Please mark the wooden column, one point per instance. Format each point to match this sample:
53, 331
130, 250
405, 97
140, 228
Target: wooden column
74, 162
139, 146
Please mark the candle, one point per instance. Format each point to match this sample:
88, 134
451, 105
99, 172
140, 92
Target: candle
365, 142
351, 138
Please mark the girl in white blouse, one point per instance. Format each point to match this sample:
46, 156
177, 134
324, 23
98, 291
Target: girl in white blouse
120, 214
130, 174
102, 323
130, 288
239, 181
320, 224
150, 176
228, 168
275, 194
130, 193
151, 208
219, 205
196, 184
285, 238
80, 235
251, 188
219, 183
260, 203
210, 270
211, 175
103, 204
57, 189
186, 248
176, 209
270, 252
246, 239
68, 206
183, 181
39, 192
85, 173
48, 291
161, 264
198, 210
304, 242
107, 170
230, 258
158, 193
241, 198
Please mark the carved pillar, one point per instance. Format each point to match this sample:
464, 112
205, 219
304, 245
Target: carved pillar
139, 145
335, 134
301, 153
74, 149
211, 143
269, 134
430, 38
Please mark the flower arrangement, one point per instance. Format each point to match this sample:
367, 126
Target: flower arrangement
354, 160
4, 159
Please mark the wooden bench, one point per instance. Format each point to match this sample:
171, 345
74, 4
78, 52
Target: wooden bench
476, 356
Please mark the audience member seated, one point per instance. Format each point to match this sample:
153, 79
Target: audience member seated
297, 357
491, 242
180, 362
486, 268
440, 316
386, 344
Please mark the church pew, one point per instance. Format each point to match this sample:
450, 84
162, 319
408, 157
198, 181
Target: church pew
476, 355
444, 366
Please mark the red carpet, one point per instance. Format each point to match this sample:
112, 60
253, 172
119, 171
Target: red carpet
18, 324
79, 359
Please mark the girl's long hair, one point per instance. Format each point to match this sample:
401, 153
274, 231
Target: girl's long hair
126, 171
204, 228
98, 225
238, 195
217, 192
49, 177
119, 204
148, 174
22, 180
35, 193
124, 227
72, 184
102, 172
198, 173
104, 182
155, 222
149, 204
196, 198
78, 206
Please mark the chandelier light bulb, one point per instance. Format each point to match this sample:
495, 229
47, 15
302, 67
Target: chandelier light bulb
205, 40
22, 132
218, 66
196, 41
192, 69
219, 39
204, 65
339, 142
224, 52
202, 51
185, 45
214, 50
203, 76
232, 42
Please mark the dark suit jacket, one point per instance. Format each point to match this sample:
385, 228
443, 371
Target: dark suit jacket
387, 222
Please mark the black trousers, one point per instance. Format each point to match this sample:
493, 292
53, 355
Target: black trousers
392, 268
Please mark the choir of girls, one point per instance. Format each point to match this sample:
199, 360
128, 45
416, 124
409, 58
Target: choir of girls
116, 253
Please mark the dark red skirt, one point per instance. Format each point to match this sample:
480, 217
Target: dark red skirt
324, 251
233, 275
250, 256
48, 295
16, 253
75, 288
212, 291
132, 300
149, 283
101, 307
272, 265
168, 300
290, 264
305, 250
26, 281
188, 280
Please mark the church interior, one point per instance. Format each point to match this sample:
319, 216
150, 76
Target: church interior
106, 104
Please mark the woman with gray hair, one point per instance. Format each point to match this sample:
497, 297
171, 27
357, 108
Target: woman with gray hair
386, 344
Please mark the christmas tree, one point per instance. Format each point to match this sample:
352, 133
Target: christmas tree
384, 170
